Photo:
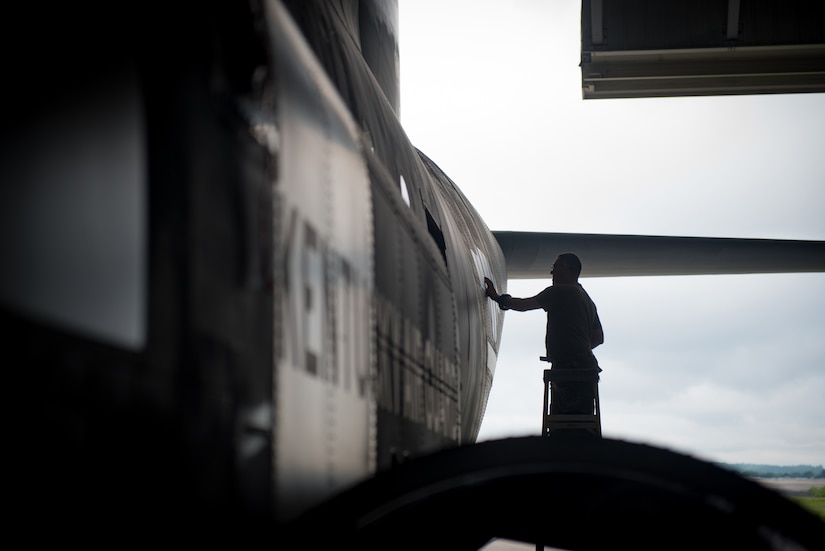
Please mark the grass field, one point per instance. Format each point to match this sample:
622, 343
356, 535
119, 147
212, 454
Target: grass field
815, 503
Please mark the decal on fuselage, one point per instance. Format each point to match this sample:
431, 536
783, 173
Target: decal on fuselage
483, 269
415, 380
325, 311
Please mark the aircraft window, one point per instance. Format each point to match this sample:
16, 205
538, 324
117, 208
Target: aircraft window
368, 138
405, 192
437, 234
74, 198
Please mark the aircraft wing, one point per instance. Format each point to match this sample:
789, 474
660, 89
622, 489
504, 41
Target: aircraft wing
530, 255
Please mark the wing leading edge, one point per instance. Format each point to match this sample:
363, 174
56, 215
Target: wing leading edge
530, 255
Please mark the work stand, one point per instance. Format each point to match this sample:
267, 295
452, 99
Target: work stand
553, 422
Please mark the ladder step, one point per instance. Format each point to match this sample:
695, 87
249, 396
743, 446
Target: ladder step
556, 422
572, 418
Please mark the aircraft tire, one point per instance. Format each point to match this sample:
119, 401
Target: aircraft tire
568, 492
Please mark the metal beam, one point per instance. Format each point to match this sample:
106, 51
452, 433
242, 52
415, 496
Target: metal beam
733, 20
704, 71
596, 22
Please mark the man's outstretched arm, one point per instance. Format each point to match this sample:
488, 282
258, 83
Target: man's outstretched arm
506, 302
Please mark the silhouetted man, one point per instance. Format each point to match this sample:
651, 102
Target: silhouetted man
573, 329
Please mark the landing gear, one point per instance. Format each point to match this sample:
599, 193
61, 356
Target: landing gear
571, 493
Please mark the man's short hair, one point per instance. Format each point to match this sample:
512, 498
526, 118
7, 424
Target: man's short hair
572, 261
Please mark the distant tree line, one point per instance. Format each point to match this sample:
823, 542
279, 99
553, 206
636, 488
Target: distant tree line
775, 471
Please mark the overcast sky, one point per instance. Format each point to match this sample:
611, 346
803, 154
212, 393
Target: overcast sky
726, 368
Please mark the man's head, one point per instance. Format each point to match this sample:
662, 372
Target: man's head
566, 268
